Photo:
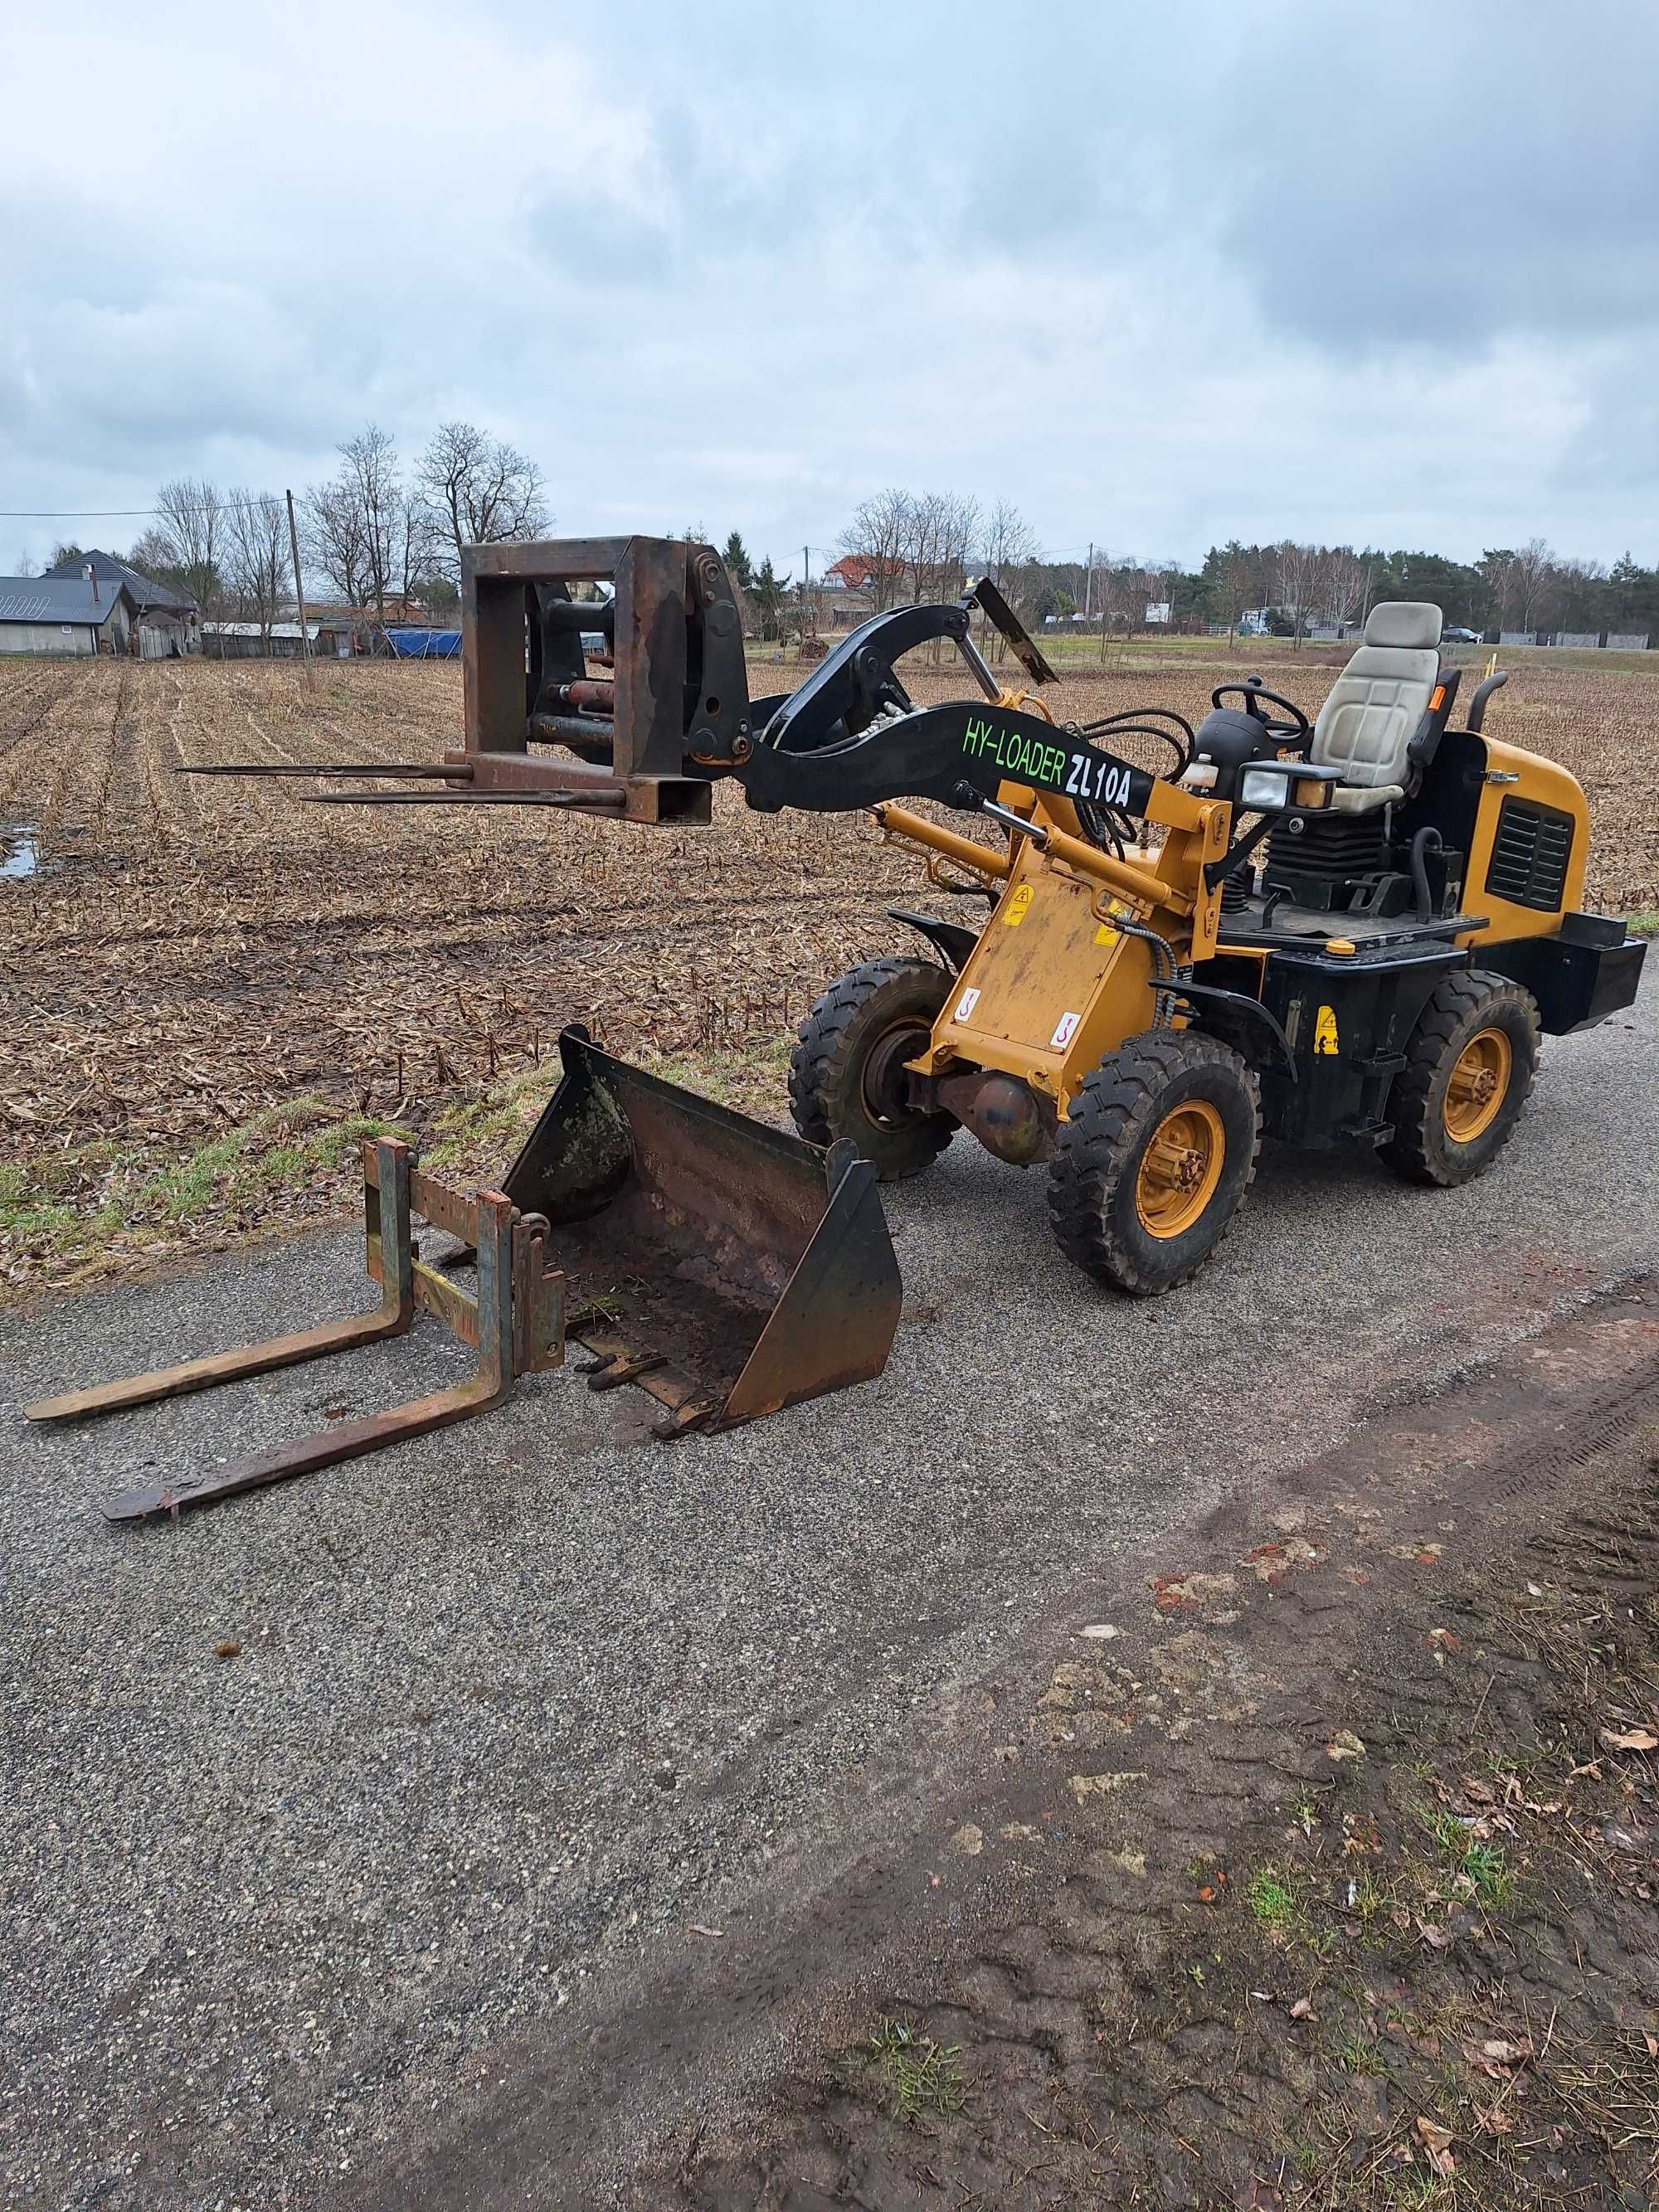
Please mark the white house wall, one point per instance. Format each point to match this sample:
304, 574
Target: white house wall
71, 640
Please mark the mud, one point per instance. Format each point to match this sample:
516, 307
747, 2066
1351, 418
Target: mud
1313, 1866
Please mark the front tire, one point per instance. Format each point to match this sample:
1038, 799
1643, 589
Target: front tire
1154, 1159
847, 1073
1468, 1069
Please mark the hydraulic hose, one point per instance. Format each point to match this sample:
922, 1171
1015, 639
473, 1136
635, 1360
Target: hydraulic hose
1427, 840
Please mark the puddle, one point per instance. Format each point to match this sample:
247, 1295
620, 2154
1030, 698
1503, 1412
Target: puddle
20, 850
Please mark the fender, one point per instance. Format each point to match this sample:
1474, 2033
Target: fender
953, 940
1243, 1022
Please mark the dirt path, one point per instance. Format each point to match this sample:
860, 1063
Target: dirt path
1310, 1863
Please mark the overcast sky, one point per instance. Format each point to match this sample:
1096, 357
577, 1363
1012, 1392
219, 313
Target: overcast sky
1388, 273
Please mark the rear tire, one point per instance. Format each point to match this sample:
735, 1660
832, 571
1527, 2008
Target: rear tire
847, 1073
1468, 1069
1154, 1160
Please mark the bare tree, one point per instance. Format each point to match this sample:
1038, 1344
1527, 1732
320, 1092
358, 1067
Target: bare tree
1119, 591
419, 548
1298, 575
362, 509
190, 522
1579, 591
1006, 540
1161, 579
336, 539
961, 526
1008, 547
256, 543
1341, 583
479, 491
941, 529
1528, 579
876, 536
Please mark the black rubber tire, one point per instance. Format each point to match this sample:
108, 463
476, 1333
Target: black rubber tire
1422, 1149
827, 1089
1092, 1178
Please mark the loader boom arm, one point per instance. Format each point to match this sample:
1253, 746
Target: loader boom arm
959, 753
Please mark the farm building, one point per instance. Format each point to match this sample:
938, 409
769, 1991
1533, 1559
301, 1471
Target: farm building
168, 622
73, 616
278, 640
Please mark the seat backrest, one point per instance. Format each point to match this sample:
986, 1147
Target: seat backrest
1375, 704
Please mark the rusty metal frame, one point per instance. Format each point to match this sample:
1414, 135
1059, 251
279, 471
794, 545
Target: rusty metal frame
643, 739
515, 1324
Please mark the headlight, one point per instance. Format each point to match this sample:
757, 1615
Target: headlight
1263, 789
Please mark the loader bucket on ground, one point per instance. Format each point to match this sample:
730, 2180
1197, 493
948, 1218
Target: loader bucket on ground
728, 1268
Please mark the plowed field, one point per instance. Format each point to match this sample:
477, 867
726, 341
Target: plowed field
194, 954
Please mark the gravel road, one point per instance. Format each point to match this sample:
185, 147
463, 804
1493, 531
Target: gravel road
518, 1694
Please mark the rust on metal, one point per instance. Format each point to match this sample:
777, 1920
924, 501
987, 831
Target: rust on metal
413, 771
514, 1324
396, 1311
733, 1268
727, 1269
673, 701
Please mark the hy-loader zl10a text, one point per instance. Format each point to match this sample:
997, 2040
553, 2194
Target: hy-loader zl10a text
1345, 931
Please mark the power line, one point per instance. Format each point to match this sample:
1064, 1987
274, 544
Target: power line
73, 514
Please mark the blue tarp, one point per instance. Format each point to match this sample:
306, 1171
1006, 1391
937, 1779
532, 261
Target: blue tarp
425, 644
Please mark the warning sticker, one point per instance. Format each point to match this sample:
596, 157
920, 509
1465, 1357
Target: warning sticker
1325, 1040
965, 1006
1017, 903
1065, 1030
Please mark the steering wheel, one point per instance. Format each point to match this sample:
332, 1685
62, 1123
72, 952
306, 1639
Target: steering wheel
1296, 731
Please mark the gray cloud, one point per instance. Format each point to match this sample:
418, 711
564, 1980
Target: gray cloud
1262, 269
1465, 174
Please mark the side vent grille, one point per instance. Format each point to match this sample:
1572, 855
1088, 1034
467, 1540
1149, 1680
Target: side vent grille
1530, 854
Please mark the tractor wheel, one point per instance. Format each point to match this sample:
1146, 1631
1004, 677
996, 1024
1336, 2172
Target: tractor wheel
847, 1073
1154, 1160
1468, 1068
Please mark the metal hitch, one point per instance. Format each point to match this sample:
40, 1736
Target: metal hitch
516, 1323
728, 1268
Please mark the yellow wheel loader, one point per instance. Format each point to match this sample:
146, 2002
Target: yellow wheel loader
1348, 932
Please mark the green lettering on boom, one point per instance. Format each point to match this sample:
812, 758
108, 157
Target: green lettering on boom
1017, 756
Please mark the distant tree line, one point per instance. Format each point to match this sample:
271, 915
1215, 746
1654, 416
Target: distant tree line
376, 536
914, 547
380, 536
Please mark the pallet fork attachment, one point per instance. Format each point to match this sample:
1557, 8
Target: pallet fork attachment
516, 1324
728, 1268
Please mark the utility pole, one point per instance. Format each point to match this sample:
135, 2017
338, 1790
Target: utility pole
300, 595
1089, 581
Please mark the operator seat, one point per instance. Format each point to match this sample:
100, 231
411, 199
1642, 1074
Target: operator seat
1365, 727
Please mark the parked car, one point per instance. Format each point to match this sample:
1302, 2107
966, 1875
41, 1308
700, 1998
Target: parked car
1455, 637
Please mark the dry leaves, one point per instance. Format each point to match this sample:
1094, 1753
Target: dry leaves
1631, 1739
1436, 2141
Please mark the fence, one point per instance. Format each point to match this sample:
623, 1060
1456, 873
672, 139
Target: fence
1584, 640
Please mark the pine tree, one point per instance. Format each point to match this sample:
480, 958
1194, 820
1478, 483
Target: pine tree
766, 591
736, 557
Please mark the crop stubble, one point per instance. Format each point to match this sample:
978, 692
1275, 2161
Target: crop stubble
195, 949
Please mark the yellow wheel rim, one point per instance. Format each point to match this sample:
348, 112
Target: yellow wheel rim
1479, 1085
1180, 1169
